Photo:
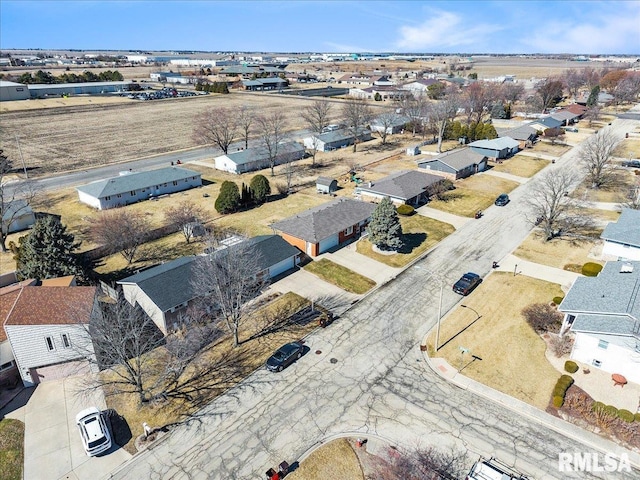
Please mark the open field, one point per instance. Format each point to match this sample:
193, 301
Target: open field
516, 364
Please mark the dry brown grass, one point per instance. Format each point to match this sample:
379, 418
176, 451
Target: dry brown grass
335, 459
615, 192
472, 194
628, 148
549, 149
559, 252
520, 165
512, 354
251, 354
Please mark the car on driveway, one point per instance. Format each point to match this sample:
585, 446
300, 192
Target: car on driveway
93, 431
467, 283
285, 356
502, 200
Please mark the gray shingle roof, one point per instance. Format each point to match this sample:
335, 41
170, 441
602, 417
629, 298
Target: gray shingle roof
257, 154
496, 143
325, 181
458, 159
405, 185
608, 324
15, 209
548, 122
564, 115
321, 222
135, 181
339, 135
612, 294
519, 133
169, 285
626, 230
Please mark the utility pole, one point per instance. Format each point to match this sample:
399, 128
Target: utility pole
24, 167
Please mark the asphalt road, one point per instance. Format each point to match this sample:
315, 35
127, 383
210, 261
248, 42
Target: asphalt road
370, 378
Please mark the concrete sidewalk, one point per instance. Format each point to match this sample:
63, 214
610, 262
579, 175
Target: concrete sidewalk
455, 220
518, 266
507, 176
539, 155
348, 257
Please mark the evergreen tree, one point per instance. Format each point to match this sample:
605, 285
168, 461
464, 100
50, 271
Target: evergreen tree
229, 198
377, 97
260, 188
48, 251
593, 96
385, 230
245, 195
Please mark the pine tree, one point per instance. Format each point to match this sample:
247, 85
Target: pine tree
260, 188
48, 251
229, 198
385, 231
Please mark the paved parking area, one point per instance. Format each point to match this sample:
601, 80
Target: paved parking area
52, 445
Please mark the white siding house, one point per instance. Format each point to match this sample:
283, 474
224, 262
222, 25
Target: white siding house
17, 216
622, 238
134, 187
257, 158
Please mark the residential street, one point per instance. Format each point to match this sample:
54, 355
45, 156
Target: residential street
379, 383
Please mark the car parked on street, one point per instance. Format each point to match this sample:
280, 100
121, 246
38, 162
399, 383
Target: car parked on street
502, 200
93, 431
467, 283
285, 356
632, 164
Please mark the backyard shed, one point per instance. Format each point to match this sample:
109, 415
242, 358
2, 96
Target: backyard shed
326, 185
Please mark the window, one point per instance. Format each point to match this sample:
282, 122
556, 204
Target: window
20, 89
119, 195
596, 363
133, 193
107, 197
50, 344
175, 183
348, 230
6, 366
65, 340
603, 344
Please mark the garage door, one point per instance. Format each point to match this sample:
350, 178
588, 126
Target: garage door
283, 266
328, 243
58, 371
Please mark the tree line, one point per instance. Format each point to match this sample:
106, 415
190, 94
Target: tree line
42, 77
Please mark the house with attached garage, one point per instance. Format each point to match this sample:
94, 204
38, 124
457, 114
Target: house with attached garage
166, 291
45, 327
326, 226
498, 148
132, 187
329, 141
17, 216
257, 158
407, 186
622, 238
544, 123
604, 314
455, 164
524, 134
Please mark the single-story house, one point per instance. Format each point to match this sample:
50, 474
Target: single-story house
46, 329
604, 314
455, 164
544, 123
166, 291
407, 186
365, 79
566, 117
603, 98
326, 142
394, 124
257, 158
163, 76
132, 187
326, 185
321, 228
386, 92
271, 83
524, 134
421, 85
498, 148
622, 238
17, 216
579, 110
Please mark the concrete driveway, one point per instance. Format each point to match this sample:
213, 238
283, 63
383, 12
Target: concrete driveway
52, 445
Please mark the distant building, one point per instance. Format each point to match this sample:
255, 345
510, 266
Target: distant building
86, 88
455, 164
326, 142
13, 91
257, 158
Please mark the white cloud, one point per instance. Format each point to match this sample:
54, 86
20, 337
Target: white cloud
444, 30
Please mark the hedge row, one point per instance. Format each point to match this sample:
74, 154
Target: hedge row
560, 390
622, 414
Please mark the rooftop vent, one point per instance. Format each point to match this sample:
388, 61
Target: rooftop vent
626, 268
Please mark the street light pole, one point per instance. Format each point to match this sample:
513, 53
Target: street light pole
439, 316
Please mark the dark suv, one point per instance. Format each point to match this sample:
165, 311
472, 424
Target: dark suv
502, 200
467, 283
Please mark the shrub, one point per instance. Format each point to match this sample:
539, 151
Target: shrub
636, 417
625, 415
570, 366
591, 269
560, 390
558, 401
260, 188
542, 317
557, 300
405, 210
597, 406
610, 410
229, 198
561, 345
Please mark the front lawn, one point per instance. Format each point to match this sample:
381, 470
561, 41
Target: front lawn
340, 276
511, 355
471, 194
11, 449
521, 165
419, 234
336, 459
563, 253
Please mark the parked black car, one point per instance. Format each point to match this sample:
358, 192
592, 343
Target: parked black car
467, 283
632, 164
502, 200
284, 356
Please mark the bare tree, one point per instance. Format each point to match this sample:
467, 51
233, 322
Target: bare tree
245, 120
120, 230
511, 92
413, 107
592, 114
477, 99
386, 121
422, 464
272, 132
316, 117
356, 114
550, 92
227, 281
14, 198
573, 79
289, 169
187, 216
441, 112
216, 126
626, 91
596, 153
550, 206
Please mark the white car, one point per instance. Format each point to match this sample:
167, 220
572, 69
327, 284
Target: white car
93, 431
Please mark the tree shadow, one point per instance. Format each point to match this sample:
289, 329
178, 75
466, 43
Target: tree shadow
411, 241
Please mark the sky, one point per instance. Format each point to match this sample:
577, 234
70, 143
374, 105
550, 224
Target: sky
376, 26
